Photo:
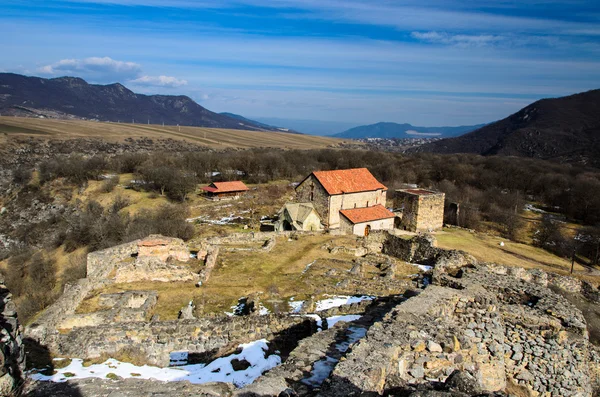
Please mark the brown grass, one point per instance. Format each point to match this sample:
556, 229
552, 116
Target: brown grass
215, 137
487, 248
274, 277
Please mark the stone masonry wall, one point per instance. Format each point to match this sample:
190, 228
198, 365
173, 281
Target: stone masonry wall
156, 340
101, 263
420, 212
12, 351
320, 198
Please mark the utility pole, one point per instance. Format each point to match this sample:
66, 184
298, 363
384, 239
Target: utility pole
148, 121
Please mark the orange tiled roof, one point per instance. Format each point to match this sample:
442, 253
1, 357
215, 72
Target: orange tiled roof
348, 181
368, 214
226, 187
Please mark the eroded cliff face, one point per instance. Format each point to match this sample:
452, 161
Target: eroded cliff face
12, 352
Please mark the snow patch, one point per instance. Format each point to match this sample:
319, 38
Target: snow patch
219, 370
308, 266
340, 300
331, 321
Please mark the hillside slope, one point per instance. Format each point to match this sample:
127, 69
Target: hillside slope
395, 130
74, 98
565, 129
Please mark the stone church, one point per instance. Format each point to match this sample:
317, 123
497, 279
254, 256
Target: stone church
353, 192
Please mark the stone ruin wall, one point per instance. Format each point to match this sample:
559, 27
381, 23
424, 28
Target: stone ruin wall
156, 340
431, 212
12, 350
133, 261
421, 212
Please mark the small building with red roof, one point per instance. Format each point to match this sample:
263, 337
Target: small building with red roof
225, 190
361, 221
330, 192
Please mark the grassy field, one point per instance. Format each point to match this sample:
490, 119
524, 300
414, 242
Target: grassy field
273, 277
116, 132
487, 248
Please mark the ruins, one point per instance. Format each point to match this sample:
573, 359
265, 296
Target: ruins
420, 209
466, 329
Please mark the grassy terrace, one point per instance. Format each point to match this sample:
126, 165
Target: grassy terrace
487, 248
273, 276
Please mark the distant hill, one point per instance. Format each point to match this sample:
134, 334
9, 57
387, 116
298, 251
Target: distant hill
267, 127
395, 130
74, 98
565, 129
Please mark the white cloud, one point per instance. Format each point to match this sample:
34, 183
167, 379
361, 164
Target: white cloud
95, 69
108, 70
462, 40
159, 81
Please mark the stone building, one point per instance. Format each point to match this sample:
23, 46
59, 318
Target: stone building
333, 191
361, 221
225, 190
298, 216
422, 209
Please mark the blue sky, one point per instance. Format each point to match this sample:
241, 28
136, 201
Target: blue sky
448, 62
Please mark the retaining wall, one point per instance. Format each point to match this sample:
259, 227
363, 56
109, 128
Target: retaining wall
156, 340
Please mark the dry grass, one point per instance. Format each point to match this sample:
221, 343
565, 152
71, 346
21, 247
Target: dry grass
273, 276
211, 137
487, 248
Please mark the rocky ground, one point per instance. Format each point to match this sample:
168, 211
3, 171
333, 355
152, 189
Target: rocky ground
477, 330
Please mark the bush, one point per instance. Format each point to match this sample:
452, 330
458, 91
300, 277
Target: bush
109, 184
119, 203
22, 175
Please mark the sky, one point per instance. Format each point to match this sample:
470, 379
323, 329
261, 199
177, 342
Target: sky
428, 63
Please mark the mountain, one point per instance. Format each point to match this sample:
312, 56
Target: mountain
565, 129
395, 130
74, 98
312, 127
258, 123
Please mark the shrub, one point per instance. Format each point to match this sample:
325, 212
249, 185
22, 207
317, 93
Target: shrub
22, 175
109, 184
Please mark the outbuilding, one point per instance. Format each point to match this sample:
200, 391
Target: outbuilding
225, 190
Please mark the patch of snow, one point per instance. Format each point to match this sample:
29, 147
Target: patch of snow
295, 305
308, 266
532, 208
317, 319
321, 371
340, 300
263, 311
219, 370
424, 268
331, 321
323, 368
178, 358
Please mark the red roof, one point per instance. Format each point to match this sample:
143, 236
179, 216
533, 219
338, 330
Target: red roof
348, 181
226, 187
368, 214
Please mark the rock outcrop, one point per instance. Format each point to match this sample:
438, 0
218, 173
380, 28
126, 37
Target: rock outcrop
12, 351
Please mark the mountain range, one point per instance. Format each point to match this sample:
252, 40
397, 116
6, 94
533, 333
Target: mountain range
74, 98
395, 130
565, 129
